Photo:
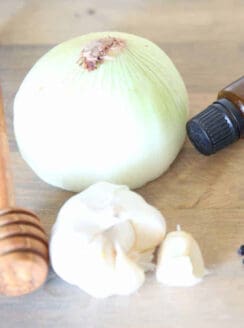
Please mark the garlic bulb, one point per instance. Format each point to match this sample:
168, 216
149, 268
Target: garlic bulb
104, 238
105, 106
180, 261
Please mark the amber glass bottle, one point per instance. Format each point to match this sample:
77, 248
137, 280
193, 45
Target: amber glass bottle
220, 124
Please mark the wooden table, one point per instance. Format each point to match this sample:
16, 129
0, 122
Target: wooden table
205, 39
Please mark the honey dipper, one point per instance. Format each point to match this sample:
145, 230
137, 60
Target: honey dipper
23, 242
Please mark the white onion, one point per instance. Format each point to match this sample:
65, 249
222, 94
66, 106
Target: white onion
121, 119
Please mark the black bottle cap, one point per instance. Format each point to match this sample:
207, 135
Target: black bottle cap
218, 126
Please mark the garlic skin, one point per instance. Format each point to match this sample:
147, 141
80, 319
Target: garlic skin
79, 120
104, 238
180, 261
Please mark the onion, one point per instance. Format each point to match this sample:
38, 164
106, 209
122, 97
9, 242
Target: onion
104, 106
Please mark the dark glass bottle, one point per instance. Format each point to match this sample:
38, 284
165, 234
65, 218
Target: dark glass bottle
220, 124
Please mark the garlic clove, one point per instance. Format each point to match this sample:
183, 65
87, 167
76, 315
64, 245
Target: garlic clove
180, 261
146, 220
63, 259
97, 268
129, 276
123, 234
96, 209
100, 195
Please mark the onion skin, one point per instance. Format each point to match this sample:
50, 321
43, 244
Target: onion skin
121, 120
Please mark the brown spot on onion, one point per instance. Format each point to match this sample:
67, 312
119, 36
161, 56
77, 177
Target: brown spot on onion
95, 52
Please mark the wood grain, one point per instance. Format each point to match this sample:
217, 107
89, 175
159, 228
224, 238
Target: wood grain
6, 183
205, 39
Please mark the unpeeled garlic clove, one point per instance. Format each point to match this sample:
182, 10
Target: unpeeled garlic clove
180, 261
129, 275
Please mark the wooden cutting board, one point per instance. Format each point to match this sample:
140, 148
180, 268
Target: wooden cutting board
205, 39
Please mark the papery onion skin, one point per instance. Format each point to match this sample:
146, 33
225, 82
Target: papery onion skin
123, 122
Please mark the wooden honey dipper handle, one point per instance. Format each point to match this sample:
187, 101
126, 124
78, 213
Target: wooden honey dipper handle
6, 185
23, 242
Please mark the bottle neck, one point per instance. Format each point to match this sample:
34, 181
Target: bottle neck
235, 93
233, 113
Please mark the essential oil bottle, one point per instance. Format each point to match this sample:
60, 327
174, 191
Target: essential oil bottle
220, 124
